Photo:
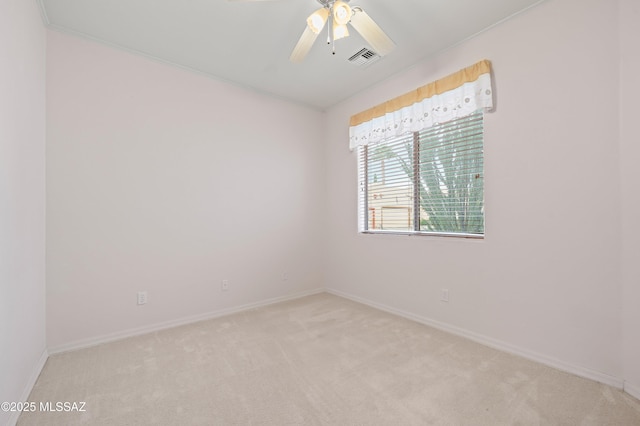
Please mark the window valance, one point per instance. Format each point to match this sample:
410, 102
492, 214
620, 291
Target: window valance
454, 96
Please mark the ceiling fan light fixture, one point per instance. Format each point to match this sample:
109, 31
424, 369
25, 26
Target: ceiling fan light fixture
335, 15
317, 19
341, 12
340, 31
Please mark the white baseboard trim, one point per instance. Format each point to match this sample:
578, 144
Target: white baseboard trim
632, 389
37, 369
119, 335
494, 343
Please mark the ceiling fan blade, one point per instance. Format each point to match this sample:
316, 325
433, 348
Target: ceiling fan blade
304, 45
371, 32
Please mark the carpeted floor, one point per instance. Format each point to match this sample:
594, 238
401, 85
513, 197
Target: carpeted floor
318, 360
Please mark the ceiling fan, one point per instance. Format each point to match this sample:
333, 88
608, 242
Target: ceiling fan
338, 13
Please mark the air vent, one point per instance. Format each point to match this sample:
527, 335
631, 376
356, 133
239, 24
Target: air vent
364, 57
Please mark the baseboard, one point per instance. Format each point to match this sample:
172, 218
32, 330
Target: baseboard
37, 369
496, 344
632, 390
111, 337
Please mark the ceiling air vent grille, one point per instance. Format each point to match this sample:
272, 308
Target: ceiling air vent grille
364, 57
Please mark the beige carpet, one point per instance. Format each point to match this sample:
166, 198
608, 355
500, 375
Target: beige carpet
319, 360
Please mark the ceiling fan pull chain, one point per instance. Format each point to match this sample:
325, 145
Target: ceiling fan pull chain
329, 28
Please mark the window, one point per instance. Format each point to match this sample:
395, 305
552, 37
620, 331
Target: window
420, 157
426, 182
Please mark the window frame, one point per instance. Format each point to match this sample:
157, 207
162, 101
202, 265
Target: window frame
364, 184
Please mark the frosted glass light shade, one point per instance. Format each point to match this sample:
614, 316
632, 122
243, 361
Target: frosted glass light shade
317, 19
339, 31
341, 12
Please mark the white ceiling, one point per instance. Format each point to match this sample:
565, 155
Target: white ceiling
248, 43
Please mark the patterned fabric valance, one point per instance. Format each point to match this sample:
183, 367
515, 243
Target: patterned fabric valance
454, 96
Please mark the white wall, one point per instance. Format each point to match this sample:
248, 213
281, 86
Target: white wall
545, 280
630, 182
167, 181
22, 198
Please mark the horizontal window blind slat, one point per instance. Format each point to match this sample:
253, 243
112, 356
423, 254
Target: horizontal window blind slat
468, 173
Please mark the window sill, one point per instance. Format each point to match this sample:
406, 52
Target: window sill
426, 234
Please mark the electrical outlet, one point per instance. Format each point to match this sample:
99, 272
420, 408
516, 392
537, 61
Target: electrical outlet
142, 297
444, 295
285, 276
225, 285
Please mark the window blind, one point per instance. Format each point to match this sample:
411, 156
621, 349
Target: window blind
430, 181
